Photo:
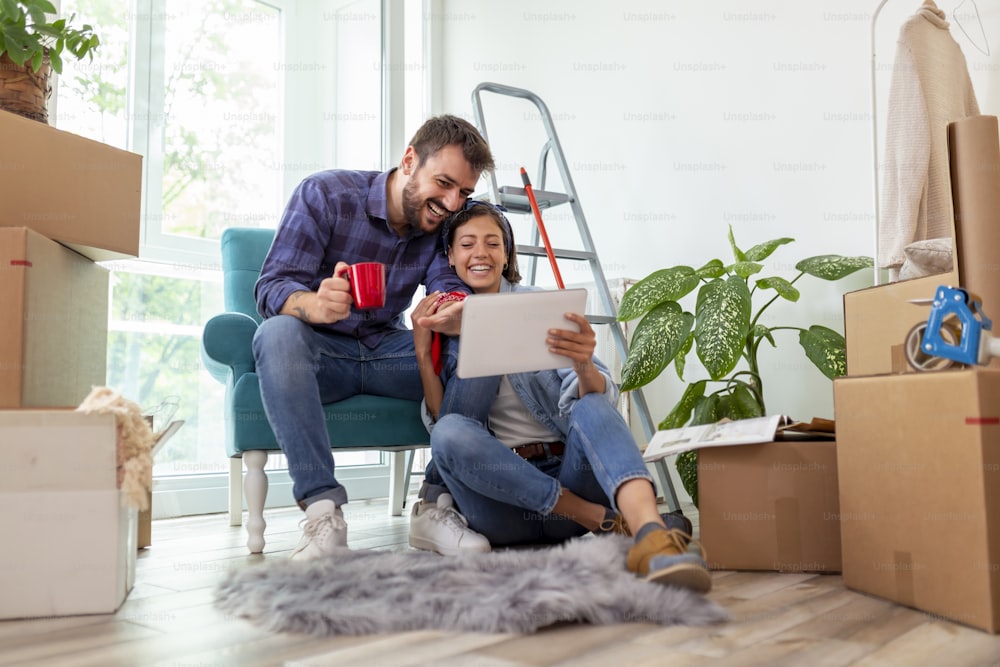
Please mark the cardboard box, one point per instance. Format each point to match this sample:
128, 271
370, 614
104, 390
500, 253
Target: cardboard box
770, 507
878, 319
79, 192
54, 332
69, 544
919, 469
145, 518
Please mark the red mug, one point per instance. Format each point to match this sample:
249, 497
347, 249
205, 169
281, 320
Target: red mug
367, 284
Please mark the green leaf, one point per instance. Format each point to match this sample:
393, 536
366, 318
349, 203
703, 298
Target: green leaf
713, 269
760, 331
722, 408
47, 30
833, 267
687, 470
743, 404
682, 411
663, 285
706, 410
15, 51
56, 60
738, 254
826, 349
10, 9
657, 338
37, 16
680, 361
745, 269
785, 289
45, 6
723, 320
36, 60
764, 250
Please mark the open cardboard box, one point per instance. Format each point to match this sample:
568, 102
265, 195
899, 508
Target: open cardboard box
69, 543
771, 506
145, 529
878, 319
919, 474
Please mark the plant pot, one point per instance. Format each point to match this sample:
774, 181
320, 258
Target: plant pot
24, 91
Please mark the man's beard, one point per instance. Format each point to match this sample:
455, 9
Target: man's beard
413, 208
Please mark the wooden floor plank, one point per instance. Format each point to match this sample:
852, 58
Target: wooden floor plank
777, 619
936, 642
65, 645
413, 648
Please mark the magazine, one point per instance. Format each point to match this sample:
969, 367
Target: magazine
720, 434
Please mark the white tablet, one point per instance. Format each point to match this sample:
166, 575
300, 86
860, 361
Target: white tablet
505, 333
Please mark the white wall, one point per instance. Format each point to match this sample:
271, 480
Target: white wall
681, 118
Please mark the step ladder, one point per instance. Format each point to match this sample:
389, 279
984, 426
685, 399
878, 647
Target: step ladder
515, 200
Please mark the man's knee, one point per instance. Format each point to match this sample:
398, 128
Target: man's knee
282, 335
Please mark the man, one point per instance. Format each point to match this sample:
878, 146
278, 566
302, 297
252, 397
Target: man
313, 348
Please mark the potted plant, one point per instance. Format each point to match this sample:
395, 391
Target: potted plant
31, 46
726, 333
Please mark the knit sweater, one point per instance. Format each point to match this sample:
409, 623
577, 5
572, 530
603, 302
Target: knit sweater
930, 88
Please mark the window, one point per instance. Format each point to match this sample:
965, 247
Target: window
212, 136
231, 103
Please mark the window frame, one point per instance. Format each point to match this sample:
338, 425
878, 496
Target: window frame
178, 256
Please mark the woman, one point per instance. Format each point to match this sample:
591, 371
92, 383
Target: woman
541, 456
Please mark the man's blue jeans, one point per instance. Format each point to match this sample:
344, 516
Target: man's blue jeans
510, 500
300, 369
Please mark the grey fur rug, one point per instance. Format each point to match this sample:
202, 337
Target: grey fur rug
518, 591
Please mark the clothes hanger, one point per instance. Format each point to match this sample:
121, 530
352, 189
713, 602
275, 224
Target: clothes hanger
985, 48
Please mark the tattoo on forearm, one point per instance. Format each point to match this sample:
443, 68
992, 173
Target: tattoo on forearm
299, 311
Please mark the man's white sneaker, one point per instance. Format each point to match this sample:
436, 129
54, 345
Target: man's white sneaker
324, 531
442, 529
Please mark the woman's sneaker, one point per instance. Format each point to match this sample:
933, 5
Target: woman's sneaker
677, 521
616, 523
662, 557
439, 527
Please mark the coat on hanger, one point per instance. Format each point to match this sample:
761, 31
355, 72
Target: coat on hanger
930, 88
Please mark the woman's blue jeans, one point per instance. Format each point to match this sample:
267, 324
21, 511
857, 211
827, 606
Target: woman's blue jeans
301, 368
510, 500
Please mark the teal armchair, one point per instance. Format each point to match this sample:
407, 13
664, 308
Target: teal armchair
394, 425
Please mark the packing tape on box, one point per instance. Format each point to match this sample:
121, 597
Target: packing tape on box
974, 149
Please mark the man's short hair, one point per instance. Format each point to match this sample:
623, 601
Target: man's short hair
446, 130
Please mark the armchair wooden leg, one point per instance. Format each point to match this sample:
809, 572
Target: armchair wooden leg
410, 455
235, 492
255, 487
397, 479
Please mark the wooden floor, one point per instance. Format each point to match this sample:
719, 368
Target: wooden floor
778, 619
